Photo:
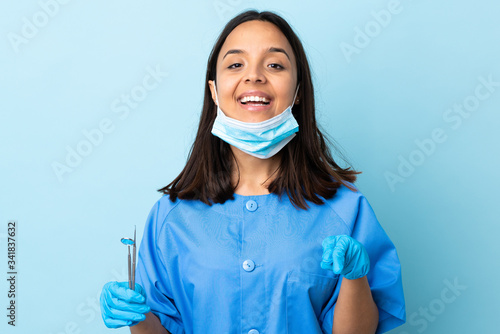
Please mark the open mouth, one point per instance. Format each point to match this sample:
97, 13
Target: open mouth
254, 101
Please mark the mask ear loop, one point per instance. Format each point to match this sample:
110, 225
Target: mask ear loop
296, 91
216, 99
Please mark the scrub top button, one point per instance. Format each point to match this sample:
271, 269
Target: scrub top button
251, 205
248, 265
253, 331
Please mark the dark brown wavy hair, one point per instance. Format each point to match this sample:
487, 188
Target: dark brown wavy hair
307, 169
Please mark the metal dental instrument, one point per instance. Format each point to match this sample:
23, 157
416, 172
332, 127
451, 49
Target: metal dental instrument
131, 264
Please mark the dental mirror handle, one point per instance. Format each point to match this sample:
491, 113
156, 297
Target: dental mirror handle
133, 262
129, 270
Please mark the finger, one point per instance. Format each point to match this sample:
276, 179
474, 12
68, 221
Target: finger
327, 255
329, 241
121, 291
119, 304
139, 289
116, 323
325, 265
326, 262
127, 316
338, 257
105, 310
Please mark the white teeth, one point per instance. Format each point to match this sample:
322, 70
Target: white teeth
254, 99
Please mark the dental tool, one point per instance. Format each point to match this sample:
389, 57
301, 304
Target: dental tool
131, 261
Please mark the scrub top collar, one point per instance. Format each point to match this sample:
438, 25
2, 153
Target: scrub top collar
248, 202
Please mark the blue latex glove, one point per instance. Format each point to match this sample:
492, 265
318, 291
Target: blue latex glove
345, 256
121, 306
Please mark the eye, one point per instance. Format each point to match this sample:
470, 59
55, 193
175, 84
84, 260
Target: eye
236, 65
276, 66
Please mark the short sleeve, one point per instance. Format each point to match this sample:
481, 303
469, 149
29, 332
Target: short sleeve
384, 276
152, 275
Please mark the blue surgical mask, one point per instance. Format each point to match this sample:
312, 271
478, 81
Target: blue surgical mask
262, 139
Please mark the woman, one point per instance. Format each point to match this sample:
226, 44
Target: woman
262, 232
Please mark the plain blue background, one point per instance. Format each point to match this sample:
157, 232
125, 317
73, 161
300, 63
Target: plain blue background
66, 75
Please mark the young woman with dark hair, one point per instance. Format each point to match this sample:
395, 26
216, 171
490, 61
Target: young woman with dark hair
306, 167
262, 231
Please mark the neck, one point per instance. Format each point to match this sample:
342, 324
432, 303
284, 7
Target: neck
255, 174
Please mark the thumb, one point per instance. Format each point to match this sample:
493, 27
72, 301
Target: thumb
338, 257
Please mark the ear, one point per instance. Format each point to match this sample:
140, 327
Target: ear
212, 90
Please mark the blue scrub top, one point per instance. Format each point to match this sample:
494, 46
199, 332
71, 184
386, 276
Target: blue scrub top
252, 264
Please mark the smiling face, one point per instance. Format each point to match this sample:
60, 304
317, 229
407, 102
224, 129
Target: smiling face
256, 73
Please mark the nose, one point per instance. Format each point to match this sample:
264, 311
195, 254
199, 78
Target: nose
254, 74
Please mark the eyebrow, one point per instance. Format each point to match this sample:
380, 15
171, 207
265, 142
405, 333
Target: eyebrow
271, 49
